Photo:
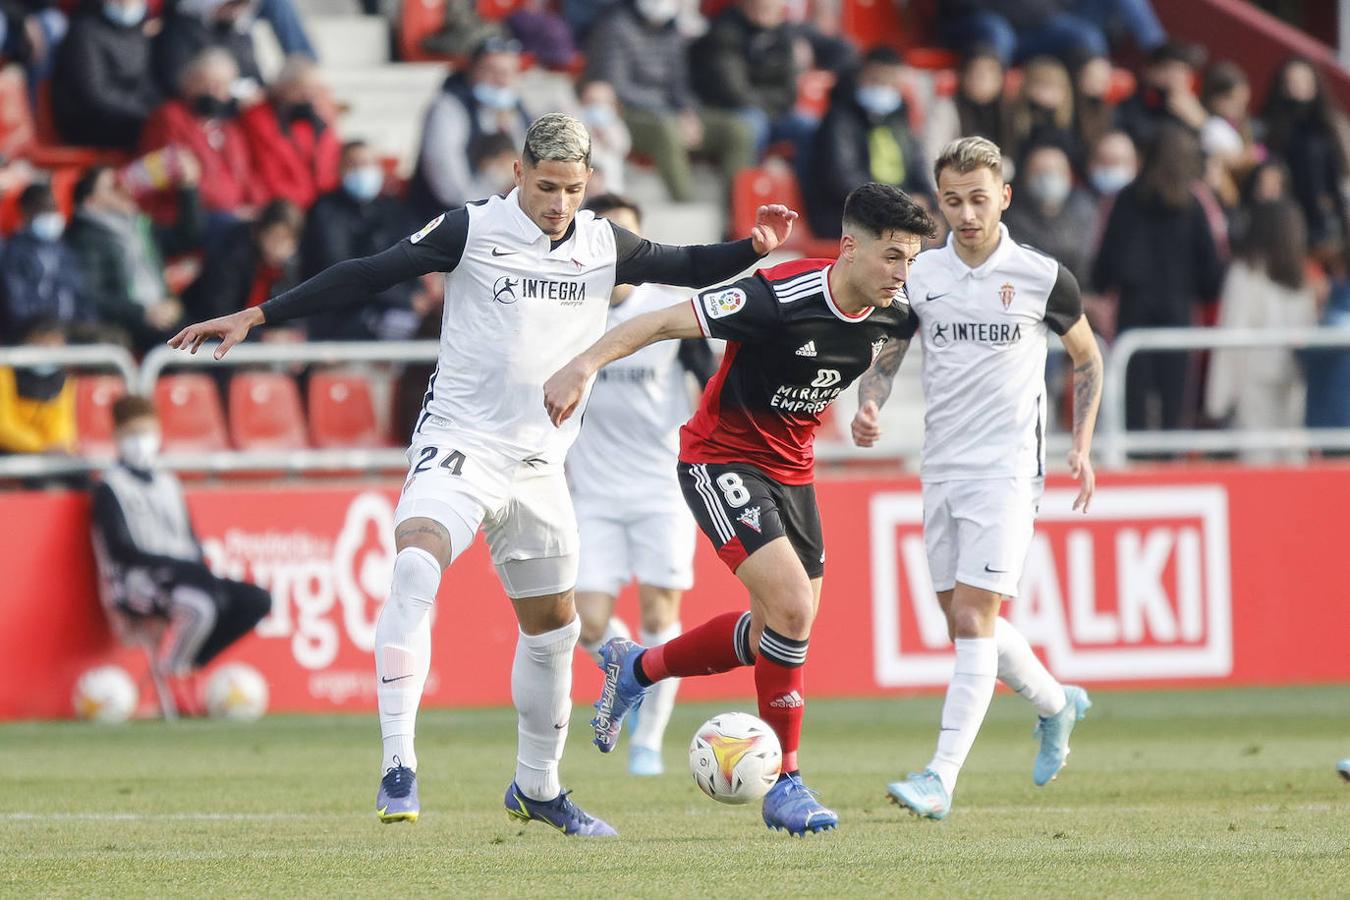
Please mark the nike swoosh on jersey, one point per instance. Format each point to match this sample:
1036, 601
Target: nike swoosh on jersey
931, 297
995, 571
496, 252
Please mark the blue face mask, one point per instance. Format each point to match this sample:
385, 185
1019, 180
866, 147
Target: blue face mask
598, 115
878, 99
1110, 179
126, 16
364, 184
48, 226
495, 97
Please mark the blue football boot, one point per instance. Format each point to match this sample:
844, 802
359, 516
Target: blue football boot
1054, 733
621, 693
922, 793
396, 800
792, 807
560, 812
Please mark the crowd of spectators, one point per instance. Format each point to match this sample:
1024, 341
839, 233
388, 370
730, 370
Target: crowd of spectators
1170, 199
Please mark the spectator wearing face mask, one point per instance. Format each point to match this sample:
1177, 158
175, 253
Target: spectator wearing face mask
1166, 94
482, 99
148, 555
865, 136
354, 220
204, 120
122, 251
40, 272
294, 148
37, 403
254, 262
194, 26
1043, 110
1113, 163
610, 139
1050, 213
978, 108
637, 47
104, 89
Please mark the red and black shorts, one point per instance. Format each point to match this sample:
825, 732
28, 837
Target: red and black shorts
741, 509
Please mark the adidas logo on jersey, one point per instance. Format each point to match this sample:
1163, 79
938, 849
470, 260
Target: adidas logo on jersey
791, 700
750, 518
807, 349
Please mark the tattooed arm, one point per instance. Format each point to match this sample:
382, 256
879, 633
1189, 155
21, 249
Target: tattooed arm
1087, 395
873, 389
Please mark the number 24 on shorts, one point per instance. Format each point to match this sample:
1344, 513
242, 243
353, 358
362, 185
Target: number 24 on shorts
452, 462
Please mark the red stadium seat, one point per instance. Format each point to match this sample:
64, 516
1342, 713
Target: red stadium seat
265, 412
417, 21
190, 415
342, 412
775, 184
94, 398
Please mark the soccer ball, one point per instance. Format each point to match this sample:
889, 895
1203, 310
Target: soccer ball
236, 691
105, 694
735, 758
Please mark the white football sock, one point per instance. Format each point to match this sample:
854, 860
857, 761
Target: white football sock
403, 652
1020, 669
541, 687
654, 714
968, 699
615, 629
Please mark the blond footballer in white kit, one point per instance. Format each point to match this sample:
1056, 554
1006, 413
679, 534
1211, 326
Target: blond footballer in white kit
527, 288
632, 516
984, 306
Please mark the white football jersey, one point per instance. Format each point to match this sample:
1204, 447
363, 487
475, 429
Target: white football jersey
630, 438
516, 311
518, 306
984, 334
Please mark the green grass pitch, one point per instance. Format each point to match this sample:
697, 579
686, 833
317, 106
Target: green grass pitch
1205, 793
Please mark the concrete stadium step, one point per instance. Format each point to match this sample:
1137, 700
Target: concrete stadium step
350, 40
385, 104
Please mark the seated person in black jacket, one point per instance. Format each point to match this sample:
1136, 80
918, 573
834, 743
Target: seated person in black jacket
253, 262
149, 559
865, 136
360, 219
103, 88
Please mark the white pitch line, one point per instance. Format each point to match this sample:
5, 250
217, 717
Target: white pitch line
159, 817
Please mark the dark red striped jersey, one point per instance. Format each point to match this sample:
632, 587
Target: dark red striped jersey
790, 352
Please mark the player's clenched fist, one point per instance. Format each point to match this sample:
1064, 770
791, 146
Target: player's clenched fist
866, 428
562, 392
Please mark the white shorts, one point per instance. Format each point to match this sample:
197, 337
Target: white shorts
524, 509
978, 532
656, 547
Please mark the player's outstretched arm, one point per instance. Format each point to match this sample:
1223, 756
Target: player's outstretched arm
639, 261
1081, 345
873, 389
564, 390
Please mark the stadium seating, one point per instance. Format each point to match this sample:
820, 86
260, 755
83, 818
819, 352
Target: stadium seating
265, 412
27, 135
190, 414
342, 412
94, 398
775, 184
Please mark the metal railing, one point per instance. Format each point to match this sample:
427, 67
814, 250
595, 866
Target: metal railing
1114, 442
1117, 443
79, 357
316, 353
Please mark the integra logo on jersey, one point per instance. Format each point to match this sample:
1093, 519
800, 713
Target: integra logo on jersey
998, 334
723, 303
508, 290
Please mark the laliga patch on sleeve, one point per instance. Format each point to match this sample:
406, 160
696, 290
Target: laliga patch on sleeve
427, 229
723, 303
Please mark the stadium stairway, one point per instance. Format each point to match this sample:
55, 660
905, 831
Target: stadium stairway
384, 102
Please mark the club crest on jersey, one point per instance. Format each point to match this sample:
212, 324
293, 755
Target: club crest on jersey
1006, 294
427, 229
723, 303
750, 518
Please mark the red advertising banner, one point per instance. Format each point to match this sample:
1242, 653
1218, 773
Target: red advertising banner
1194, 576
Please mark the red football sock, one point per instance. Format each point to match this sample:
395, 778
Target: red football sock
781, 704
706, 650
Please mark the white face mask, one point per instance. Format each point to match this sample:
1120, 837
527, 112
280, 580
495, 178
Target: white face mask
140, 449
657, 12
